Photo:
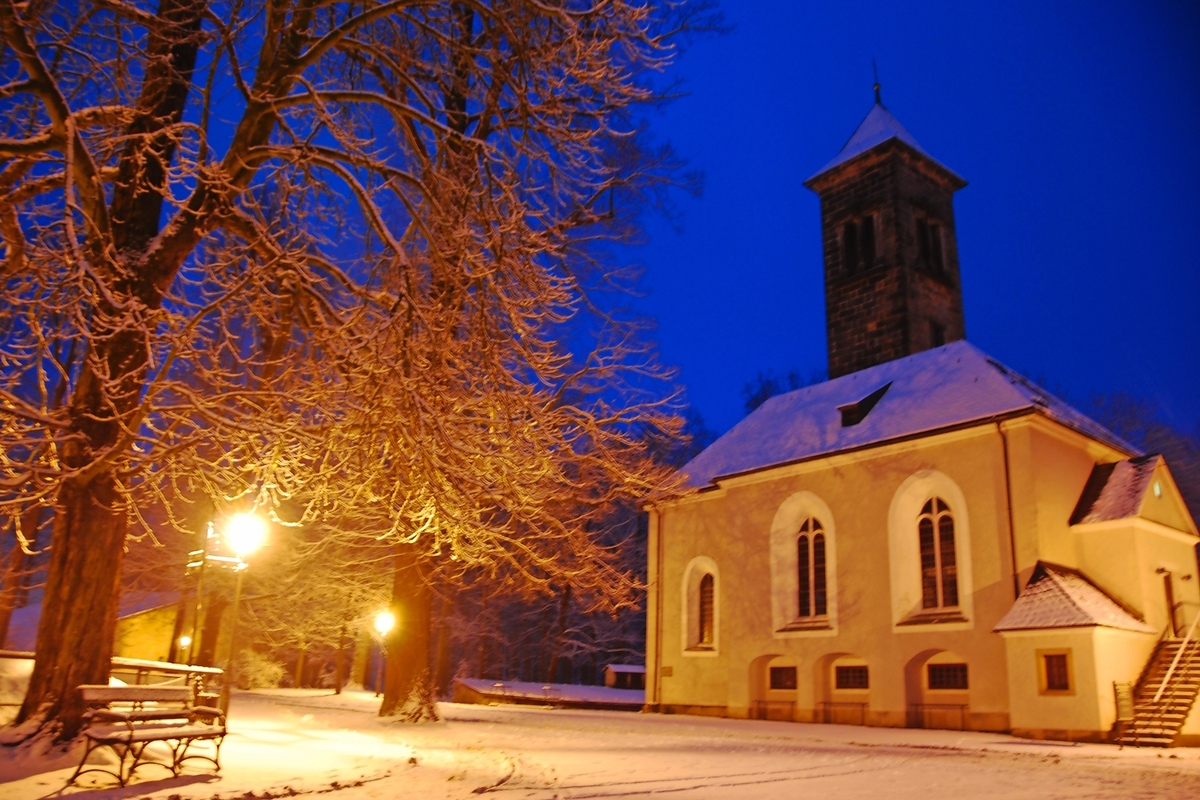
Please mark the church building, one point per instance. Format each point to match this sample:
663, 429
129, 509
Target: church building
927, 539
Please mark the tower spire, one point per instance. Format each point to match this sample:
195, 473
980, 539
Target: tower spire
875, 69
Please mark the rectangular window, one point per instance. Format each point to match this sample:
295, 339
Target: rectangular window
937, 334
947, 676
1058, 678
935, 249
867, 234
851, 678
1054, 672
783, 678
850, 246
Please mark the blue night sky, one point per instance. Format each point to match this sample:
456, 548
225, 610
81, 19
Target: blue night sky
1079, 232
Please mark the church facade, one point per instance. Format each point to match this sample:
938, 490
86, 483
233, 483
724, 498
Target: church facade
927, 539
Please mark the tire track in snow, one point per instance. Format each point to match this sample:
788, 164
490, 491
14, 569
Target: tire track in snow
647, 786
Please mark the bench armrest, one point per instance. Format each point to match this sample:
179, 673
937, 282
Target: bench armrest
208, 713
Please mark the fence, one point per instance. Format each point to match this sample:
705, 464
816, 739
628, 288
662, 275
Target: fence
16, 666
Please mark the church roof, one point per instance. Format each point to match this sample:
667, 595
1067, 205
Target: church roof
1115, 491
1059, 597
952, 386
876, 128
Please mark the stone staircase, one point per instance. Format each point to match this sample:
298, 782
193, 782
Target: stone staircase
1156, 724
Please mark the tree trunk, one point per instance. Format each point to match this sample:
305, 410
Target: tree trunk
339, 663
298, 676
441, 670
481, 631
175, 652
560, 627
79, 606
406, 685
210, 629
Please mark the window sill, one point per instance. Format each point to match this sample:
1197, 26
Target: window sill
938, 617
700, 648
812, 624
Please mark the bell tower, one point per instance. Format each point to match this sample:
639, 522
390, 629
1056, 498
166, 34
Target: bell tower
891, 254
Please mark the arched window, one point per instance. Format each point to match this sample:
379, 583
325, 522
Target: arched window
810, 569
705, 615
939, 569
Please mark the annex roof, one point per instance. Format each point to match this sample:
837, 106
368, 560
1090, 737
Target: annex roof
1115, 491
950, 386
1059, 597
876, 128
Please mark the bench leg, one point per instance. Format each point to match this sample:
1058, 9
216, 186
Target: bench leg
180, 753
92, 747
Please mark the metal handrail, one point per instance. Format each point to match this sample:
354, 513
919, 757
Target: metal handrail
1175, 661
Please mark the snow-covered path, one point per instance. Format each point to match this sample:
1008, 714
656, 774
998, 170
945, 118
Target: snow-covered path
286, 743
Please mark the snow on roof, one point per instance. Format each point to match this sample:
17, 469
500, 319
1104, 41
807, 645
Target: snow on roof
876, 128
1060, 597
1115, 491
950, 386
634, 668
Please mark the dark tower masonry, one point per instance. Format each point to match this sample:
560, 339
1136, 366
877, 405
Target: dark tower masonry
891, 255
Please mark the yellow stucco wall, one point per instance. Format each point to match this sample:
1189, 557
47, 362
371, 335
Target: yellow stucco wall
146, 634
1098, 658
1047, 468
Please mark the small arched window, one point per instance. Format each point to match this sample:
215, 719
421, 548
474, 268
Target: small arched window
939, 568
705, 614
810, 567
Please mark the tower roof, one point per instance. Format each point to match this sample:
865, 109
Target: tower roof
876, 128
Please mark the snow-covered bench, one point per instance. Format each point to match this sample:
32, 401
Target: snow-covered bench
127, 719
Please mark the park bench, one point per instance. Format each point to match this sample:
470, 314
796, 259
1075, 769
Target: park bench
128, 719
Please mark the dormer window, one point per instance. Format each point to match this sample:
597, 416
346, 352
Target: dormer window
854, 413
929, 245
858, 244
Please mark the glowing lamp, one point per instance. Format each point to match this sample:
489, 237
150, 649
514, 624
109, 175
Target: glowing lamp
384, 622
245, 533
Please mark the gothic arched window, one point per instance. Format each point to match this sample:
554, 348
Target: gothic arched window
810, 568
939, 568
705, 614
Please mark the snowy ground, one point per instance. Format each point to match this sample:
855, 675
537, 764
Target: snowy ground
287, 742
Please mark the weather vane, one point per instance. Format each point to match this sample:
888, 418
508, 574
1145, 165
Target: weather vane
875, 69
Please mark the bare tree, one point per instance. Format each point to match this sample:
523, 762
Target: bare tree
315, 258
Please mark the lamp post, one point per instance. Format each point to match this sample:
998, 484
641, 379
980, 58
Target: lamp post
384, 622
244, 533
198, 560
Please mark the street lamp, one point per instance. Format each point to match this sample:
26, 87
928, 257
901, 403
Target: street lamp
384, 622
244, 533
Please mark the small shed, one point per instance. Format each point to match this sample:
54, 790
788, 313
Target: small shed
625, 676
